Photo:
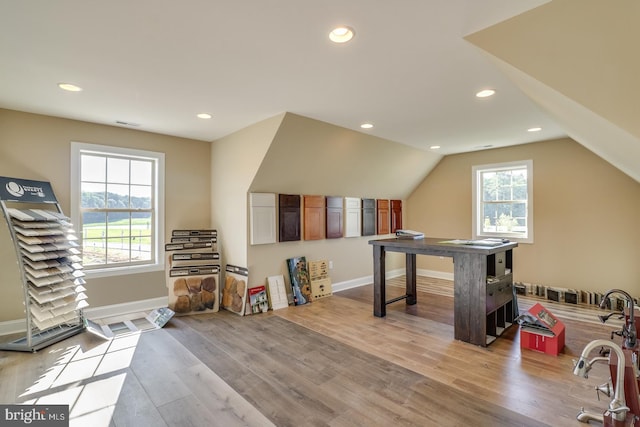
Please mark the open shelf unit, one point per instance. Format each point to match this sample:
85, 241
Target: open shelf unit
49, 261
501, 306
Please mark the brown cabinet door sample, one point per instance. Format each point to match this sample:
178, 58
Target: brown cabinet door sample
396, 215
289, 217
314, 217
368, 217
383, 216
335, 219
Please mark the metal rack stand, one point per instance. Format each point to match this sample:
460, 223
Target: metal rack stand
50, 264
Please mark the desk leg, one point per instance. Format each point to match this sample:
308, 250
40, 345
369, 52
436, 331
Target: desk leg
411, 279
379, 294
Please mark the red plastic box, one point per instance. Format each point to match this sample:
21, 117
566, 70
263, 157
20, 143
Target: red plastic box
551, 342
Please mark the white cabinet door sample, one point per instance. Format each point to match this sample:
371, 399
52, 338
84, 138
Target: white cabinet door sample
262, 218
352, 217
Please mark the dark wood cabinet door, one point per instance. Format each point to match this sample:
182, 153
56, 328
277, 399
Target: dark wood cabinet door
314, 217
368, 217
335, 218
396, 215
289, 217
383, 216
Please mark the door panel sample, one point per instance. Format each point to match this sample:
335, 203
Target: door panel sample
335, 221
352, 217
396, 215
382, 206
368, 217
314, 217
289, 217
262, 211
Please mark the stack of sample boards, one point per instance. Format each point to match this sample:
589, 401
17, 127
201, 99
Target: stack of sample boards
50, 263
193, 273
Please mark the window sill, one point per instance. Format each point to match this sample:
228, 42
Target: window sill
122, 271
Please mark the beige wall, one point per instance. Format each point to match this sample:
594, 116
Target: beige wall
585, 211
312, 157
234, 162
572, 58
38, 147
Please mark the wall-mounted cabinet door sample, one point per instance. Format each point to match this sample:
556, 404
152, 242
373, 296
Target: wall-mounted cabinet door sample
314, 217
335, 219
352, 216
289, 217
262, 215
368, 217
396, 215
383, 216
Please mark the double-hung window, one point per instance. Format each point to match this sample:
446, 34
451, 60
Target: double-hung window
117, 208
503, 201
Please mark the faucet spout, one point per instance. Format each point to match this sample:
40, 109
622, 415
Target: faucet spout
629, 330
617, 406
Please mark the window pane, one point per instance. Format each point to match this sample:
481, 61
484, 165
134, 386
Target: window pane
118, 196
504, 193
117, 171
93, 195
93, 168
141, 172
140, 197
93, 238
141, 240
503, 200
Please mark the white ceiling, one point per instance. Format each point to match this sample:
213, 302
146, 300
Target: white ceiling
157, 63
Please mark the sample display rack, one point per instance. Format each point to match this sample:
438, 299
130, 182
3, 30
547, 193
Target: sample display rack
49, 261
193, 272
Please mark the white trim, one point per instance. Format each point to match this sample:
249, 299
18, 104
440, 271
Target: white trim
362, 281
125, 308
475, 190
18, 326
13, 327
435, 274
76, 149
367, 280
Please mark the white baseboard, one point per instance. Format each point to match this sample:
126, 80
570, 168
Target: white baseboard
125, 308
19, 326
435, 274
366, 280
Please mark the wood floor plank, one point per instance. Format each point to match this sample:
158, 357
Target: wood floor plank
328, 363
134, 407
384, 388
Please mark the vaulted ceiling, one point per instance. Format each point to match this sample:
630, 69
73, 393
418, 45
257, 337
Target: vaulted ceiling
412, 69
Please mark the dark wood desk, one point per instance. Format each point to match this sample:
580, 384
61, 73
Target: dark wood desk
475, 307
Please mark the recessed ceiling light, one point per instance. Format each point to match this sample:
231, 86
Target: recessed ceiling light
535, 129
341, 34
69, 87
204, 116
366, 126
485, 93
434, 147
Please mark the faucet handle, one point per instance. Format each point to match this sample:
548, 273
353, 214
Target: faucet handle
604, 389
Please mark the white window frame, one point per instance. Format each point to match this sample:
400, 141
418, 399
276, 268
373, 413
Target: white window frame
79, 148
477, 216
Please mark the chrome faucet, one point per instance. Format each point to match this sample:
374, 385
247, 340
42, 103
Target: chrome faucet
617, 406
629, 329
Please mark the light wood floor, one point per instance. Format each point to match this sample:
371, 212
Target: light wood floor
330, 362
